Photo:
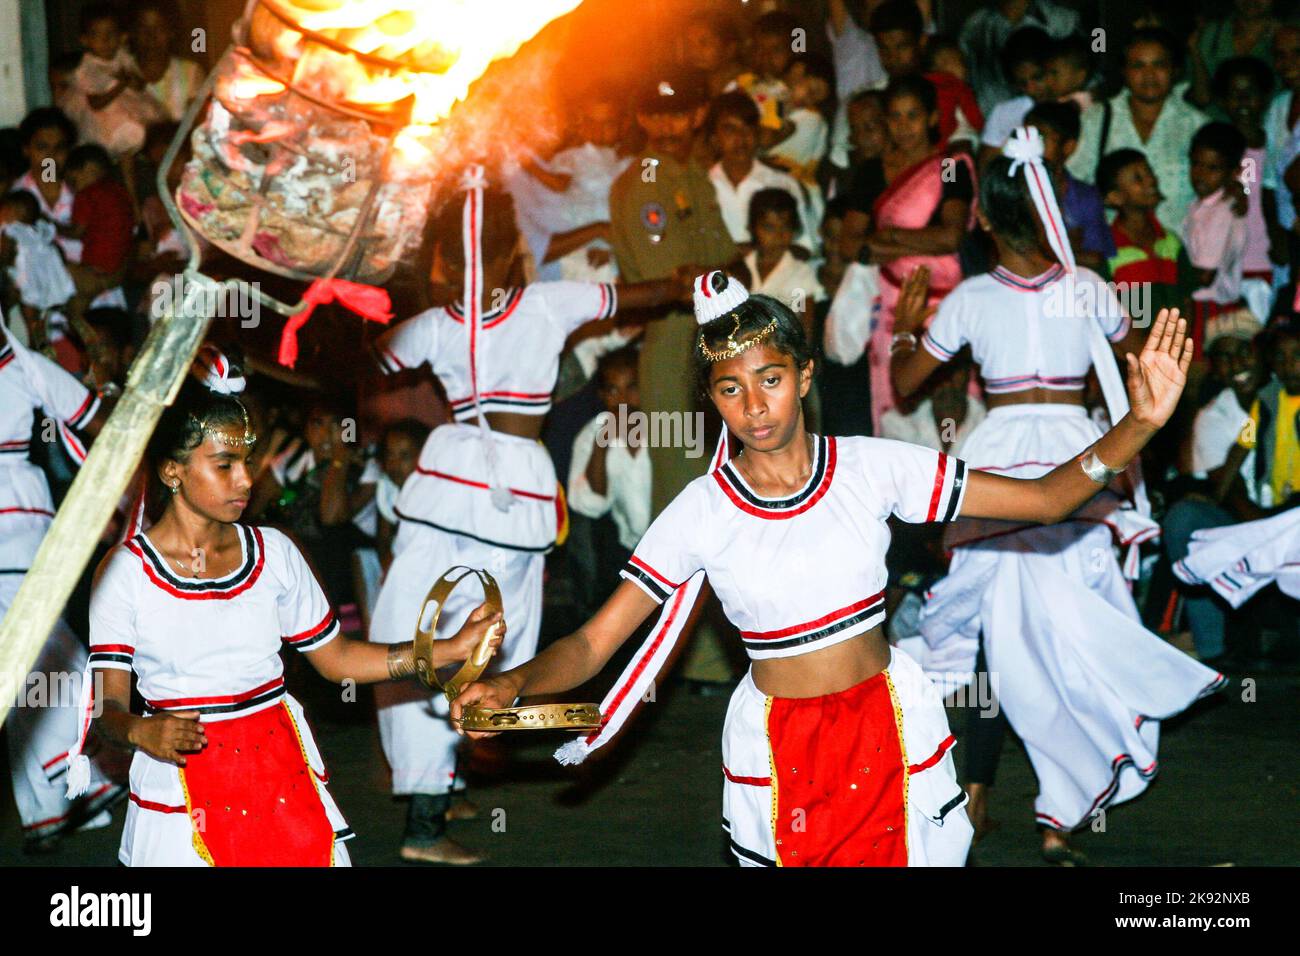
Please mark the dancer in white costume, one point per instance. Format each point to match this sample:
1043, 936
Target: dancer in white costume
484, 493
836, 749
226, 771
1080, 680
43, 723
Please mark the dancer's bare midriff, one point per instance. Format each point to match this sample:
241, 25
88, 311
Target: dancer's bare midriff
1036, 396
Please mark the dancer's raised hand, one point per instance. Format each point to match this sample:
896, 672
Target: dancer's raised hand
1156, 378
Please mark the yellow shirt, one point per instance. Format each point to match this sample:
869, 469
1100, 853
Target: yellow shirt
1285, 478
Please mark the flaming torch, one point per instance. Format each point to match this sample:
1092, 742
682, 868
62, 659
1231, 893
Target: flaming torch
324, 130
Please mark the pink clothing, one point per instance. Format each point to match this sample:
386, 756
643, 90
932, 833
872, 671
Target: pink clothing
1256, 258
1215, 238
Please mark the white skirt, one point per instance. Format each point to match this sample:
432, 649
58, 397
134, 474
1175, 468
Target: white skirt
1239, 560
938, 831
158, 830
1082, 682
452, 488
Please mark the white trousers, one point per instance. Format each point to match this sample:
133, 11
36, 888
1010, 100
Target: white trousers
418, 739
41, 727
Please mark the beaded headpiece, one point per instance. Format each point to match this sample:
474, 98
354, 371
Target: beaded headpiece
213, 370
716, 295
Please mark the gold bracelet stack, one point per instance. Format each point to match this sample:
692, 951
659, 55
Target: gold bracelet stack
401, 660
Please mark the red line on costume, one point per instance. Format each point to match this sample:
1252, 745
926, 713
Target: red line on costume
604, 300
641, 665
704, 286
1051, 220
1019, 464
748, 781
393, 358
59, 819
209, 701
777, 515
937, 493
311, 632
111, 649
471, 310
159, 807
652, 572
494, 322
479, 484
90, 397
811, 625
26, 511
50, 763
935, 757
212, 595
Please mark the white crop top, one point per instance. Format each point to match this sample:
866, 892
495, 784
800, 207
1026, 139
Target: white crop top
30, 381
1027, 333
800, 573
518, 349
211, 645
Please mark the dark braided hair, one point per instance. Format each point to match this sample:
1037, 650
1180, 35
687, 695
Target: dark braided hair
1008, 206
754, 313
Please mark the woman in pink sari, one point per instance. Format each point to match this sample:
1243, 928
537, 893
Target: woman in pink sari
917, 203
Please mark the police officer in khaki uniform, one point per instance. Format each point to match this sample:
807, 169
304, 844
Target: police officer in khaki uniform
664, 215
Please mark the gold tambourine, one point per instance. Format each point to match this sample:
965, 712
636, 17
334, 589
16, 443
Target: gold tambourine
533, 717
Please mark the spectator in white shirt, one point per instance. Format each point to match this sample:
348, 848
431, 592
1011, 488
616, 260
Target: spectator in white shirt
739, 174
609, 474
773, 269
1024, 61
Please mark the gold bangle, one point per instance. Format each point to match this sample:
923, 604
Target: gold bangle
401, 660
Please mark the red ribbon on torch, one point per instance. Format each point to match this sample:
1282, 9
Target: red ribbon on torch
367, 301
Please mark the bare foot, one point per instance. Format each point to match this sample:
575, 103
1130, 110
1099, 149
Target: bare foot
1057, 849
445, 850
977, 810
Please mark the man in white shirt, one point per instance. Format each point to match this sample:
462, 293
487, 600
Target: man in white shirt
1149, 115
738, 174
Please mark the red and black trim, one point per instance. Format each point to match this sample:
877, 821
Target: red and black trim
82, 812
744, 853
492, 317
85, 413
654, 584
864, 614
314, 637
734, 487
386, 359
6, 355
15, 447
504, 401
118, 656
254, 699
542, 549
949, 487
218, 589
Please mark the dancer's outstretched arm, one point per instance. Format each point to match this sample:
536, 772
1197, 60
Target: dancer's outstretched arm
1156, 379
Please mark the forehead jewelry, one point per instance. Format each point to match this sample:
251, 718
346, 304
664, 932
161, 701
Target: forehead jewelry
734, 347
247, 440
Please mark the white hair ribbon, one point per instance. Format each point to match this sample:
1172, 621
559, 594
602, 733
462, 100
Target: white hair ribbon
1025, 150
212, 368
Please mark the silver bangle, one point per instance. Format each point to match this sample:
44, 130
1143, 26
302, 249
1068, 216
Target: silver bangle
900, 338
1098, 470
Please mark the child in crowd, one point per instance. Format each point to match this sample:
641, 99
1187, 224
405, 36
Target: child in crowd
1282, 128
1081, 205
1023, 62
1213, 232
844, 387
774, 270
395, 459
733, 124
114, 350
1067, 70
117, 106
770, 58
812, 84
562, 204
63, 89
867, 137
899, 29
943, 55
1146, 256
1242, 87
102, 219
709, 48
35, 266
610, 474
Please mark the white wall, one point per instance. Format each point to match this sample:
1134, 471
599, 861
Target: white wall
13, 104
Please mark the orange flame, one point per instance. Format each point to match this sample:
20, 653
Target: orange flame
444, 46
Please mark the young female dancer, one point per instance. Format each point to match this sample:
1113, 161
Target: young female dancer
1080, 680
835, 749
226, 771
39, 734
484, 492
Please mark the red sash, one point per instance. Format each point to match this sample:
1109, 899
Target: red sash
252, 797
840, 796
909, 202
